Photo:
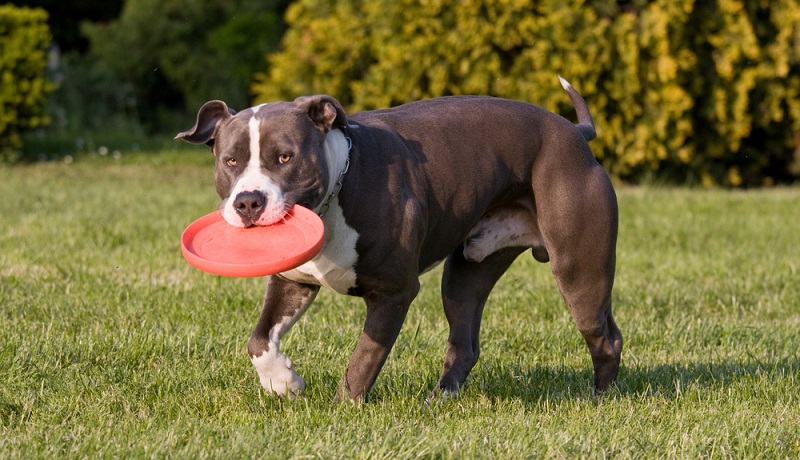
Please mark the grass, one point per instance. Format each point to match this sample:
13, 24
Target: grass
112, 346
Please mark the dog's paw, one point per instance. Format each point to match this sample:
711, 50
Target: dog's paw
440, 396
277, 375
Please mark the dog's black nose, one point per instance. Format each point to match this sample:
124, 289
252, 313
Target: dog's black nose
250, 205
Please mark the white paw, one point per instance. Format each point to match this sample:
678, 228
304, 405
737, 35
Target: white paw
277, 374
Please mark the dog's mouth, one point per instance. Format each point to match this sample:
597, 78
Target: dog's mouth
265, 221
254, 209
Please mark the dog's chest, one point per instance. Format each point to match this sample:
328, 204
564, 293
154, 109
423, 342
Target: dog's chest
334, 266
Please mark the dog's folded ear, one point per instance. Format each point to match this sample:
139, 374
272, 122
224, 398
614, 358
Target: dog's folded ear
325, 111
211, 114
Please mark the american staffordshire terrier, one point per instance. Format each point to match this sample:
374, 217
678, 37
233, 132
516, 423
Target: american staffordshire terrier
472, 181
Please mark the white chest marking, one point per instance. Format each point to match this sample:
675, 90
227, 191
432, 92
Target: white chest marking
334, 266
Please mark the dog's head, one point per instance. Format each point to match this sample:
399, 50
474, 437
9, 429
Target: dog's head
272, 156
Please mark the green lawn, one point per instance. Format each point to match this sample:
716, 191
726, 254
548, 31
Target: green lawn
112, 346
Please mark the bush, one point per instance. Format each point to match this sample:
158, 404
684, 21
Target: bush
698, 92
24, 42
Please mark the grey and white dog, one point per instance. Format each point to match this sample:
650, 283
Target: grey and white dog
468, 180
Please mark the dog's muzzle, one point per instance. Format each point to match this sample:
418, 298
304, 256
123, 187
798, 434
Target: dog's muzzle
250, 206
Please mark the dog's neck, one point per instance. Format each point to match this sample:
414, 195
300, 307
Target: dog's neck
337, 153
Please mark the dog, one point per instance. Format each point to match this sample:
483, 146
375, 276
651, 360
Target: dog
471, 181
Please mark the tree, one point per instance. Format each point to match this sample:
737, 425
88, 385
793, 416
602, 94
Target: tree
24, 41
173, 55
64, 18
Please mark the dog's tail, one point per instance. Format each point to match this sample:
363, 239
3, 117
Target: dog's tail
585, 123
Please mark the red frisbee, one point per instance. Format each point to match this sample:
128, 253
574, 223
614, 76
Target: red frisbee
214, 246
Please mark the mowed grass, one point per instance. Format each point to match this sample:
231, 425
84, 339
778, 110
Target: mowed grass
112, 346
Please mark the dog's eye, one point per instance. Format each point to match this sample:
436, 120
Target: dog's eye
283, 159
230, 162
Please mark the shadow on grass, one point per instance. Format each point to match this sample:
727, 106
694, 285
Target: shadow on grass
537, 384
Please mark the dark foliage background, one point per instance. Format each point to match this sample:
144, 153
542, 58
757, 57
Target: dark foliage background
688, 92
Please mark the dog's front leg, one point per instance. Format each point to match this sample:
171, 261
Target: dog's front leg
385, 316
284, 303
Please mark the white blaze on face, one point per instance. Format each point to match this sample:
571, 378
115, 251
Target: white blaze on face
253, 179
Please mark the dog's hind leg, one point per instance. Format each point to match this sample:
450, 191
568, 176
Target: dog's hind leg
591, 309
581, 235
465, 287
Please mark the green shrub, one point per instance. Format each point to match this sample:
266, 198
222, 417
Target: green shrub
698, 92
24, 41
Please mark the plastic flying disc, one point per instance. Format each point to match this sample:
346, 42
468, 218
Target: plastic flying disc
214, 246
